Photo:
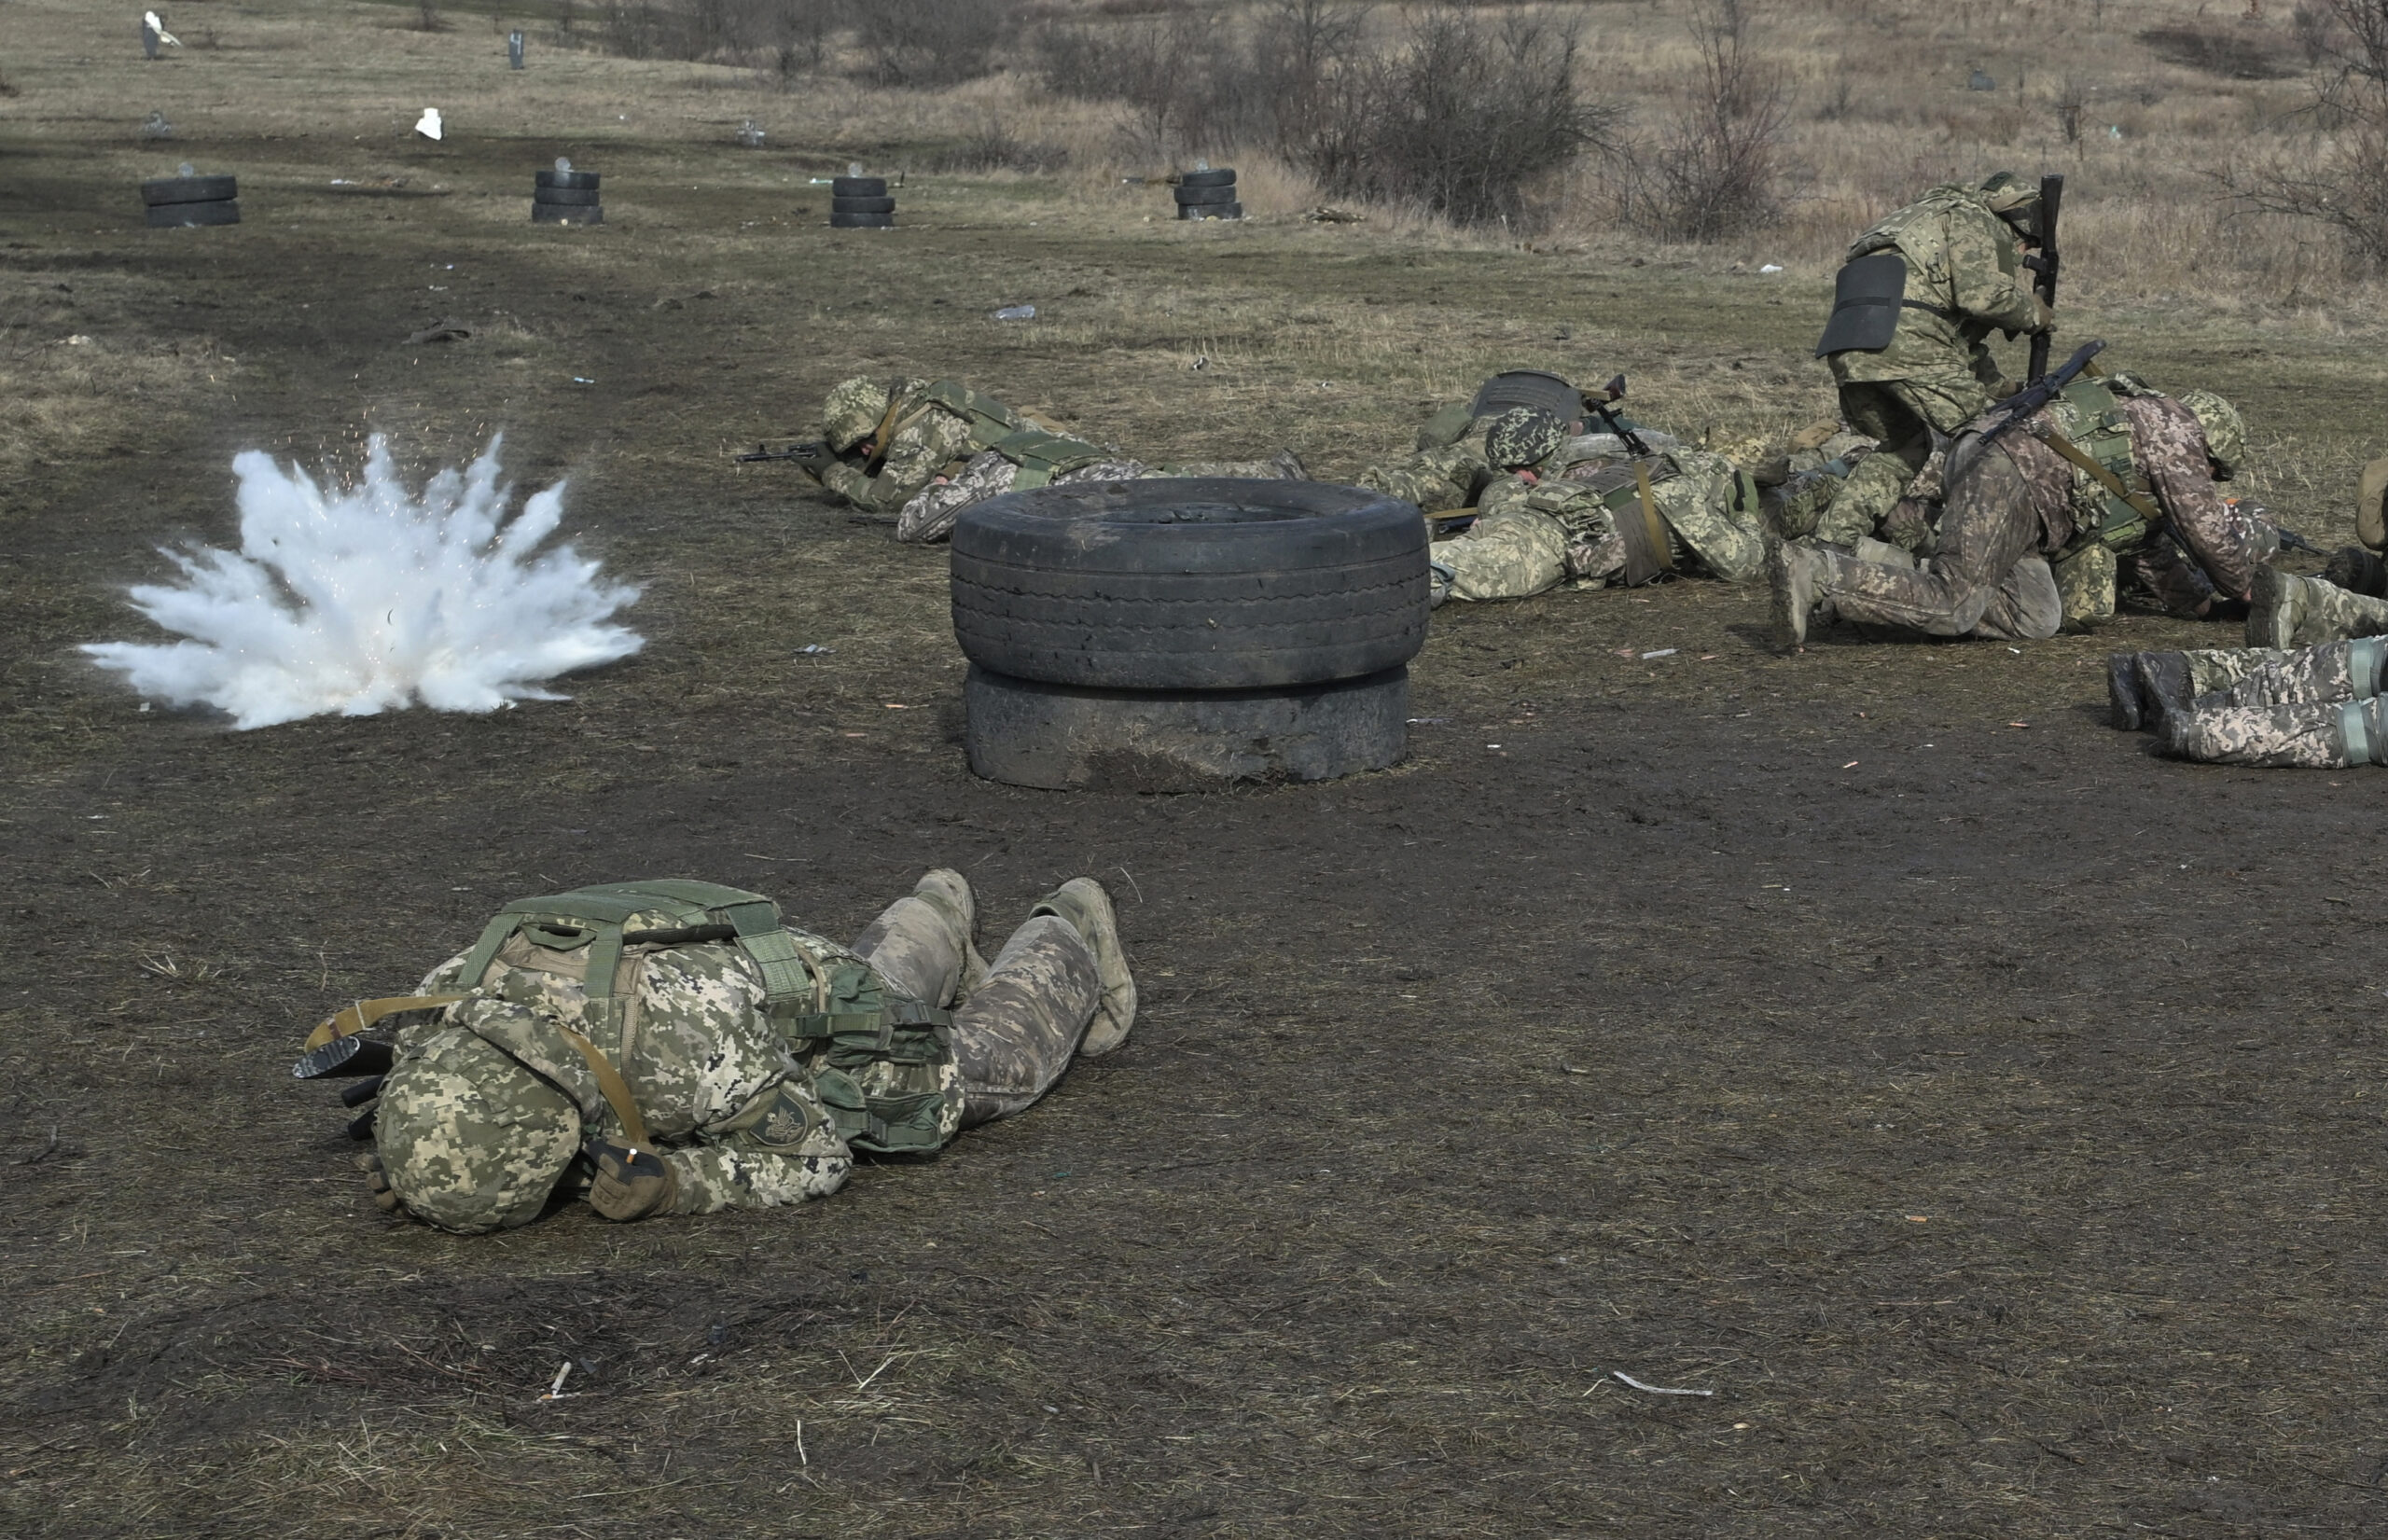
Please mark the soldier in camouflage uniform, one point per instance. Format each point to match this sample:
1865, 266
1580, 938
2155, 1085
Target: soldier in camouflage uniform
739, 1073
1554, 512
929, 516
2313, 708
2015, 500
1925, 366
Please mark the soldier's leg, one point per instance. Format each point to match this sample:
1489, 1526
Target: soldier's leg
1512, 554
2027, 606
2300, 736
2288, 611
920, 944
1698, 504
2165, 572
2142, 687
929, 516
2171, 447
2358, 571
2331, 673
1060, 986
1436, 481
1904, 414
1285, 465
2085, 579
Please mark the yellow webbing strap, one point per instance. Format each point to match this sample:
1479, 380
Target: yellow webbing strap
1662, 550
357, 1017
2139, 501
883, 434
616, 1089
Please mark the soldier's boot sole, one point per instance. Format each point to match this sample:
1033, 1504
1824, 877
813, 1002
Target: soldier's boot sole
1791, 590
1087, 907
2164, 687
2273, 604
2123, 697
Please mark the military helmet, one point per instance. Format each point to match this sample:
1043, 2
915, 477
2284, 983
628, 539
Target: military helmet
2225, 431
471, 1140
1523, 436
853, 410
2013, 198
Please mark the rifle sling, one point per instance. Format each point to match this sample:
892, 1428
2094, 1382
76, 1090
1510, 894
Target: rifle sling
616, 1089
885, 435
2139, 501
1662, 550
355, 1019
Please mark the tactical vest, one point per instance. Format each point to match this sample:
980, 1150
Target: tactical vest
1041, 456
2089, 413
1928, 247
989, 420
874, 1058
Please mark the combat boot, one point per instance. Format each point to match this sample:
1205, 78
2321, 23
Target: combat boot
2275, 601
949, 892
2164, 687
2358, 571
2125, 700
1087, 908
1441, 576
1791, 581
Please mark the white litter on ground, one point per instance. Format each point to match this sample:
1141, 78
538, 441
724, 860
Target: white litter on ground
369, 599
428, 124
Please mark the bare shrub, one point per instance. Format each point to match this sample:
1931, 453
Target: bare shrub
2235, 52
2315, 29
1459, 117
1184, 83
428, 17
1714, 169
930, 42
2072, 99
2339, 177
993, 146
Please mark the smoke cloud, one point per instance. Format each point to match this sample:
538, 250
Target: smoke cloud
370, 599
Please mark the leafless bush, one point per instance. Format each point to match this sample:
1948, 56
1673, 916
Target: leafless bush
2072, 99
2315, 29
2235, 52
1714, 169
1183, 82
993, 146
428, 17
1459, 117
2338, 178
930, 42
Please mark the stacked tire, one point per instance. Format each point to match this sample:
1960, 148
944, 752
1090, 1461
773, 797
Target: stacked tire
1173, 634
861, 203
566, 197
178, 201
1207, 195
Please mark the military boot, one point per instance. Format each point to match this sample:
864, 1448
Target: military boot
1440, 578
2125, 700
2274, 603
1797, 578
1082, 902
2164, 687
2358, 571
1290, 465
949, 892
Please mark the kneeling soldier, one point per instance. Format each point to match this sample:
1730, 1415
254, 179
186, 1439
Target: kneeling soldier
671, 1047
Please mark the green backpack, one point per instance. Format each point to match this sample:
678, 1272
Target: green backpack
881, 1064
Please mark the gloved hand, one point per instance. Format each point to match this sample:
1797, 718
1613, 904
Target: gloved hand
2045, 317
630, 1184
813, 459
377, 1180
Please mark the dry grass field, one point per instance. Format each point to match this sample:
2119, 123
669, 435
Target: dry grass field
1980, 1107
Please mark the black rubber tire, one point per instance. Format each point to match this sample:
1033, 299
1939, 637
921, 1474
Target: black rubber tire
1029, 734
1218, 176
1211, 210
567, 213
862, 205
566, 197
580, 181
191, 190
1534, 388
1190, 584
862, 221
858, 186
172, 215
1185, 196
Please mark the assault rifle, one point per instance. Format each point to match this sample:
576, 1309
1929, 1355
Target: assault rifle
2046, 264
2019, 407
800, 452
2291, 540
1602, 404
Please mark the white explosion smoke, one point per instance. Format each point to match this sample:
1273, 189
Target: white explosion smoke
374, 598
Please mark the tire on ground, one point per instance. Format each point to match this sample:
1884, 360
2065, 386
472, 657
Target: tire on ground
862, 221
1203, 195
1218, 176
1063, 737
567, 197
567, 213
191, 190
1534, 388
858, 186
1190, 584
583, 181
172, 216
1209, 211
862, 205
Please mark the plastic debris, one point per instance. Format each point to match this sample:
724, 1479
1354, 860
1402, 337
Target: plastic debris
156, 127
1772, 267
1980, 80
1657, 1390
149, 20
854, 168
428, 125
1017, 312
750, 133
1663, 652
813, 648
185, 169
563, 164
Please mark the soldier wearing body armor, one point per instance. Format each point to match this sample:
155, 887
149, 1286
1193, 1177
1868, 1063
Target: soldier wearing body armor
671, 1047
2015, 498
925, 450
1585, 508
1908, 342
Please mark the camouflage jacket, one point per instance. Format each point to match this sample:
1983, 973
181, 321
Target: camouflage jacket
1963, 262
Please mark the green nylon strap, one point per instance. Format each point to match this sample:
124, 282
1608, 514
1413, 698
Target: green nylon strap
990, 419
2364, 657
2354, 733
1041, 455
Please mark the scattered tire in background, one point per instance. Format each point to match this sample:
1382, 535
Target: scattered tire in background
188, 199
1535, 388
1207, 194
860, 202
565, 197
1173, 634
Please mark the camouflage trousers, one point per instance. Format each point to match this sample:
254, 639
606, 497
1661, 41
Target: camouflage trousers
929, 516
1020, 1018
2315, 708
2301, 612
1988, 578
1437, 479
1902, 416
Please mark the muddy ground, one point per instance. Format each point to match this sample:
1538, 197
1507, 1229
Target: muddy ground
1974, 1104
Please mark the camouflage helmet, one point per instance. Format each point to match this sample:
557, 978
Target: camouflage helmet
2225, 431
471, 1140
853, 410
2013, 198
1523, 436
